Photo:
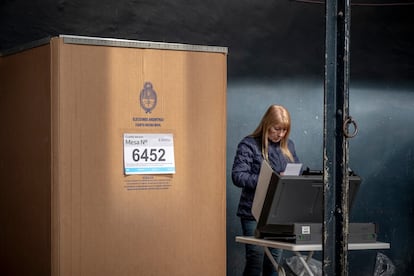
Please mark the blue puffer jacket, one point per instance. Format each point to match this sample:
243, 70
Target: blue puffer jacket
246, 169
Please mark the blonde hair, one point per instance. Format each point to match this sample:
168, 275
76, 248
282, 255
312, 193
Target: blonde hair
275, 115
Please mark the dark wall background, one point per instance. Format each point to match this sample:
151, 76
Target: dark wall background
267, 38
276, 55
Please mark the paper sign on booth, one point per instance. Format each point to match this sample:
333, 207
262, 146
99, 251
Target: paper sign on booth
149, 153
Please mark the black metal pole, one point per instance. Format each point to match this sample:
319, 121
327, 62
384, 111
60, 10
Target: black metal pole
335, 155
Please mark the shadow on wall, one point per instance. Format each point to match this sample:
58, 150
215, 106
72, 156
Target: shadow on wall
382, 154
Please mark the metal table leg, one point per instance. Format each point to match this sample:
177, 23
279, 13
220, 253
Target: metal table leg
305, 263
280, 270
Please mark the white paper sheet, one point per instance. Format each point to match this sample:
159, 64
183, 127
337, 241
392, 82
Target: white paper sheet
293, 169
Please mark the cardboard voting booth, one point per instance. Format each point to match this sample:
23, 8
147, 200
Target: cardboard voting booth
113, 158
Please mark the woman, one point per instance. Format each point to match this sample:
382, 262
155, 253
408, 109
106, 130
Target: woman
270, 141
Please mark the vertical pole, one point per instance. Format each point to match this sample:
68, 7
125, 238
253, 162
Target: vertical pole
335, 153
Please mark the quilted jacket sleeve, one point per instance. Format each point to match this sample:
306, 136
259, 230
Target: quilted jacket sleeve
246, 166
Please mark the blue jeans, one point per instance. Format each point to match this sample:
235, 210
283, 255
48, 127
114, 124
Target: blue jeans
256, 260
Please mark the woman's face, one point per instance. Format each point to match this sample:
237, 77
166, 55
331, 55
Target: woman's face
276, 133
